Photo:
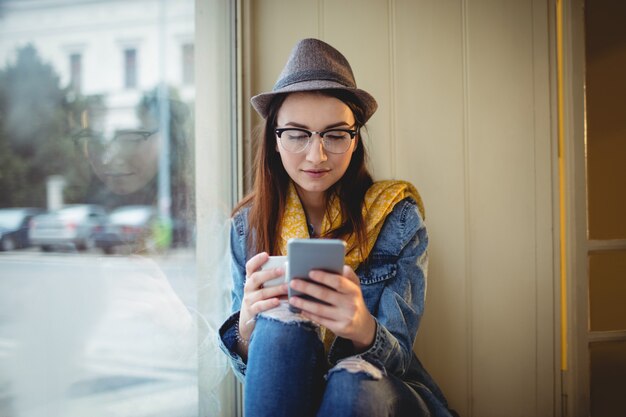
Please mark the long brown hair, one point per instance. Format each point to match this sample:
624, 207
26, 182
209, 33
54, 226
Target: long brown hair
268, 196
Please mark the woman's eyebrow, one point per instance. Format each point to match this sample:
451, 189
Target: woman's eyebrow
330, 126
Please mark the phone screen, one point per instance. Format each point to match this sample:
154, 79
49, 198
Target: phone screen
305, 255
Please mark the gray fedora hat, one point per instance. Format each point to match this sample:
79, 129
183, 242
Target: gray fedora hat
315, 65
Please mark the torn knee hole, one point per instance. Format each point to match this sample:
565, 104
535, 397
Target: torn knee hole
356, 364
283, 314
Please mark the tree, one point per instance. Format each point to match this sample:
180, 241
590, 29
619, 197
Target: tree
35, 140
181, 145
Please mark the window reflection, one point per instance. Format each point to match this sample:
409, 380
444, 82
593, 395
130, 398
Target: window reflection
97, 290
76, 71
187, 63
130, 68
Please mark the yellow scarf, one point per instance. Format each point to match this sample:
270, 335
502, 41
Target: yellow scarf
380, 200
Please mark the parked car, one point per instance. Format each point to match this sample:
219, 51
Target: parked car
14, 225
73, 225
182, 233
130, 226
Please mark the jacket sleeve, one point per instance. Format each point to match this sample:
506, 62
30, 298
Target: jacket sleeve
398, 312
227, 332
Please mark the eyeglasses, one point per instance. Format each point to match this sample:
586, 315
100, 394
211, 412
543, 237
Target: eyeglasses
295, 140
125, 140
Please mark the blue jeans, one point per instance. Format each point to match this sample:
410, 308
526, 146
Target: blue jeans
288, 375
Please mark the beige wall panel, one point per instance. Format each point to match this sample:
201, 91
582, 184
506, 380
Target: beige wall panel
502, 204
547, 315
547, 364
276, 25
428, 150
361, 30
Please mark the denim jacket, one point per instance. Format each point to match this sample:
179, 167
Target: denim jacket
393, 283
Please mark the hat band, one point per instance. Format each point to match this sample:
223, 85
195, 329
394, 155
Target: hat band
314, 75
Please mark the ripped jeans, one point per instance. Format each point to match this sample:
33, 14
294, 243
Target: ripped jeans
288, 375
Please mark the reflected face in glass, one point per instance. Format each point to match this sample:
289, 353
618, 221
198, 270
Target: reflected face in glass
126, 162
314, 169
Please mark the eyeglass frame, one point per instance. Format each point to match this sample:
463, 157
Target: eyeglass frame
279, 131
88, 135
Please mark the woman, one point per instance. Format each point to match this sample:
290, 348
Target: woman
353, 356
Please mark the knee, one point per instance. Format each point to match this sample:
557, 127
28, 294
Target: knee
279, 347
352, 388
280, 332
355, 366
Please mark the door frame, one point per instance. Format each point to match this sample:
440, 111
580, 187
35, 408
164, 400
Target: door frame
575, 385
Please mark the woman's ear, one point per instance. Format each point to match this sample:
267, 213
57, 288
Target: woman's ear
356, 142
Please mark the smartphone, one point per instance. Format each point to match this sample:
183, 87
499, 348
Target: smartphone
272, 263
303, 255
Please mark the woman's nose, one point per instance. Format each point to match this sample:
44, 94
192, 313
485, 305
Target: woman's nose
316, 152
111, 153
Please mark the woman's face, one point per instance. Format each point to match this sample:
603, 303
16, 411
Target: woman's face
127, 163
314, 170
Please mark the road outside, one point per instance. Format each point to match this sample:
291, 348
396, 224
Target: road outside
92, 335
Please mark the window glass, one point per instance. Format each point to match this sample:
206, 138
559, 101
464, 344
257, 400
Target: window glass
76, 71
98, 310
607, 290
605, 100
130, 68
608, 377
188, 67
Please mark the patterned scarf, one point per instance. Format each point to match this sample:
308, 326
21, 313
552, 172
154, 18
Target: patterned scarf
380, 200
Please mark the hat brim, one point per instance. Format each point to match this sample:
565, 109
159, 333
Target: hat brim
262, 101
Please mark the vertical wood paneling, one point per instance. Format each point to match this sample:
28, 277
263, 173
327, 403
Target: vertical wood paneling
429, 102
359, 29
276, 26
547, 366
502, 207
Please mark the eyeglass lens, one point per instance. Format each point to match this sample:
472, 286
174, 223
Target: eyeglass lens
125, 141
333, 141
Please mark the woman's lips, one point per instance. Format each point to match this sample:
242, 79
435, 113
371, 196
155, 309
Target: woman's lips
118, 174
316, 173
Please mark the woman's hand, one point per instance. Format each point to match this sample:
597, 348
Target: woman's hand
346, 315
257, 299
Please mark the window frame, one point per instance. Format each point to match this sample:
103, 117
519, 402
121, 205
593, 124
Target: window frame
216, 39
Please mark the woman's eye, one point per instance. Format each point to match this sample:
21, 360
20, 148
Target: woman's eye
336, 135
297, 136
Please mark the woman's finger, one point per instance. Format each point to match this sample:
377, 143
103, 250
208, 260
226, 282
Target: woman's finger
349, 273
263, 305
314, 307
338, 283
265, 293
257, 279
323, 321
315, 290
255, 262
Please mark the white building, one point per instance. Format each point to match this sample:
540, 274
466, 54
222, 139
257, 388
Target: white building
115, 48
